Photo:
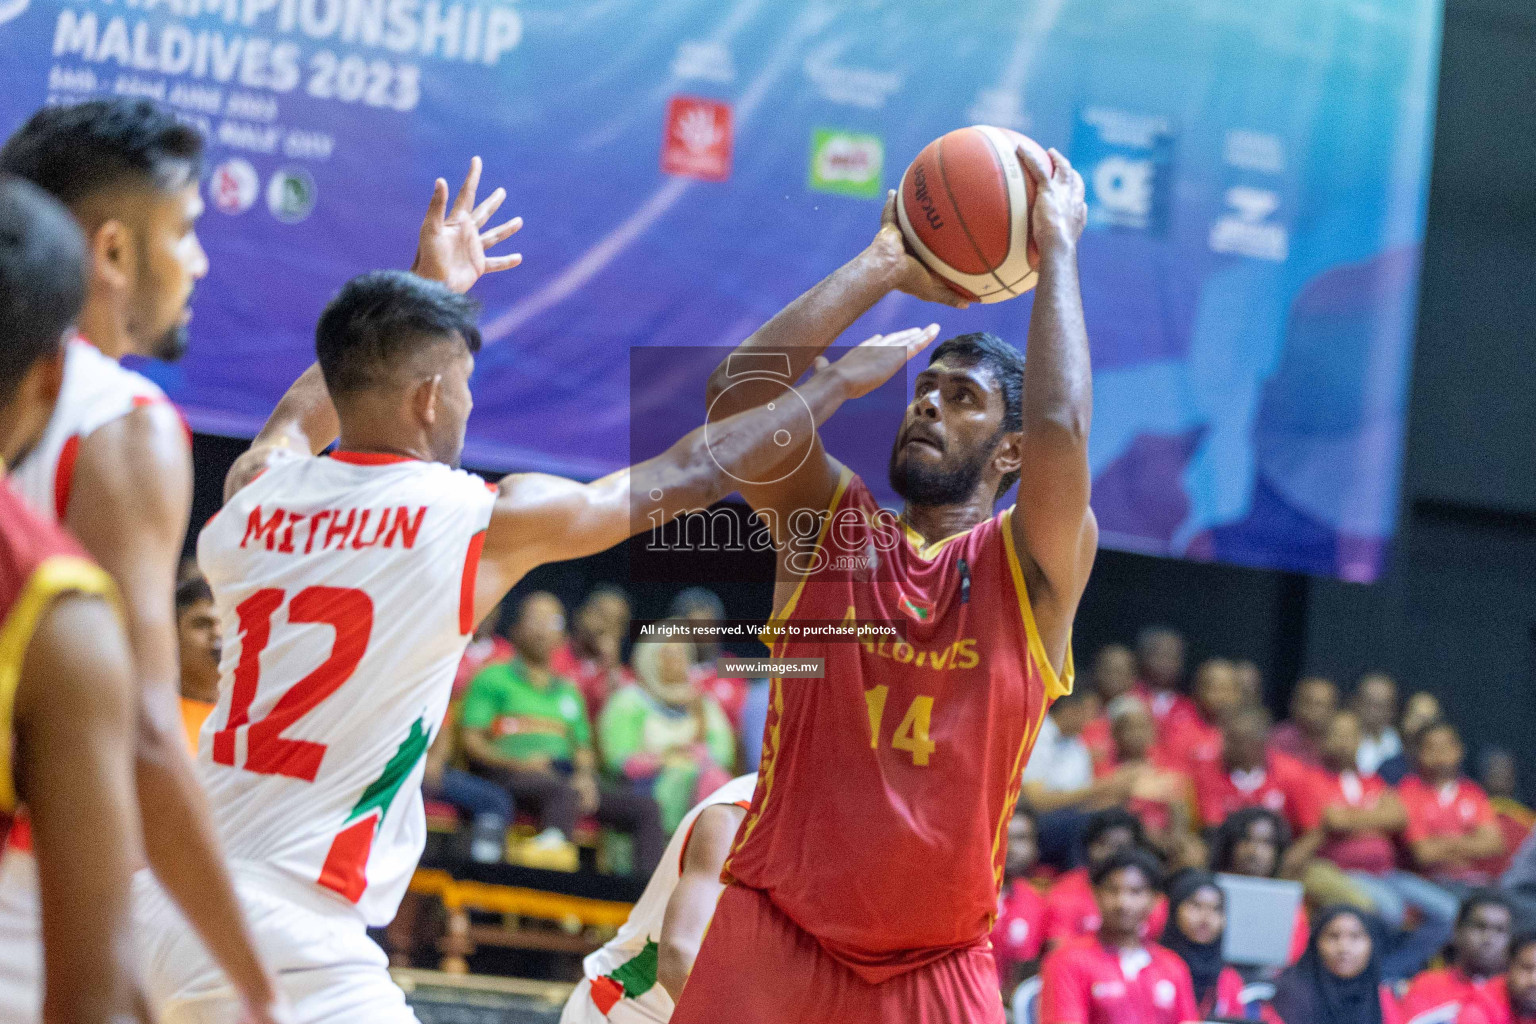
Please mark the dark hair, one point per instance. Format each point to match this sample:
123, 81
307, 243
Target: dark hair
1519, 942
1006, 366
1025, 809
696, 598
381, 316
1432, 726
79, 150
190, 591
42, 278
1479, 898
1130, 857
1100, 822
1231, 832
1070, 699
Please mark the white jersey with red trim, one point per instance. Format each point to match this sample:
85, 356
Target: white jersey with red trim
624, 969
344, 588
97, 390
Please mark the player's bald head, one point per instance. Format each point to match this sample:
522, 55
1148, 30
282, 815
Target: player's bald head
387, 329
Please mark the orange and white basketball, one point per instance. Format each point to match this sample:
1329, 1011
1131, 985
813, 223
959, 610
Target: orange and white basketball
964, 208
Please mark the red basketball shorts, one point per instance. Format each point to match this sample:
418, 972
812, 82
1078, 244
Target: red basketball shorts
758, 967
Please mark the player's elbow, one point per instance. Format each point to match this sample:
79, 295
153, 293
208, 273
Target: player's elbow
674, 961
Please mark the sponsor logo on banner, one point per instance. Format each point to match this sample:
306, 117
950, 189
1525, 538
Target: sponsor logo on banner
846, 163
1246, 228
233, 186
698, 139
1125, 159
12, 9
291, 194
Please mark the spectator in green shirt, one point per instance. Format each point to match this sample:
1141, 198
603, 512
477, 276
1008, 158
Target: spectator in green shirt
526, 728
664, 734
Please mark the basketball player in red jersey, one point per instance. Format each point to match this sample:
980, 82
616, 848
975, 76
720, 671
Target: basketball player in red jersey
66, 693
866, 873
115, 467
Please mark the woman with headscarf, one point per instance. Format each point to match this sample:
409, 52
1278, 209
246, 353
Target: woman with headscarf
1338, 979
1197, 918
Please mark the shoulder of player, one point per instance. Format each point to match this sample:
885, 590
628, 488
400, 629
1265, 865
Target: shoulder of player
151, 437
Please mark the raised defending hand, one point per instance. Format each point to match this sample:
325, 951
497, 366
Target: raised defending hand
1060, 212
912, 277
875, 361
453, 243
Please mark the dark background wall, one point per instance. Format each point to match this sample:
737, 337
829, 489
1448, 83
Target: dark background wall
1456, 612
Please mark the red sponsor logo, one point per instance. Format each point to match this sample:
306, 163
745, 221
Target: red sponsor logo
698, 139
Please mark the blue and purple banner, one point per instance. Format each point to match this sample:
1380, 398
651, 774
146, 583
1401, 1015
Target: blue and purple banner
1256, 174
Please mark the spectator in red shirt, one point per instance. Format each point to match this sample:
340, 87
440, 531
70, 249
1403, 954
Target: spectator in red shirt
1353, 823
1253, 842
1513, 994
1116, 976
1070, 907
593, 657
1248, 775
1479, 954
1160, 663
1314, 702
1196, 920
1020, 930
1420, 710
1160, 795
1196, 736
1451, 831
1114, 676
1338, 979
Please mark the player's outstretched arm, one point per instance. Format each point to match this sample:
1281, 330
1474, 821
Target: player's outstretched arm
692, 904
540, 518
129, 507
1054, 528
74, 719
451, 248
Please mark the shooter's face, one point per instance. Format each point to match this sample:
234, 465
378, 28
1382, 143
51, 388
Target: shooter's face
169, 261
952, 438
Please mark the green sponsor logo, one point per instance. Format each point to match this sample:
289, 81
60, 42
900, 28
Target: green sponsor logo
846, 163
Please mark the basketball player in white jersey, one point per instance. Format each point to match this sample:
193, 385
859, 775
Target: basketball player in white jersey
115, 467
347, 588
635, 976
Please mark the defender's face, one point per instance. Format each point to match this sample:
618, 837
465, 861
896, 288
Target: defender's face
950, 430
171, 261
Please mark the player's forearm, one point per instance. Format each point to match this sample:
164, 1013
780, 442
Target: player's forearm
1058, 384
806, 327
305, 419
184, 852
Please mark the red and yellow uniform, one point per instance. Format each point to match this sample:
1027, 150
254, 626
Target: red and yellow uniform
39, 562
877, 833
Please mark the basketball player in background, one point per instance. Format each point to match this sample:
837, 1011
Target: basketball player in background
115, 467
636, 977
348, 587
66, 691
866, 873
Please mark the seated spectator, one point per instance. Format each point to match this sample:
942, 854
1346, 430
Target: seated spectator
1513, 994
1160, 796
487, 804
1337, 980
1353, 823
1196, 737
1070, 907
593, 658
1479, 954
701, 606
1451, 834
1250, 684
197, 636
1253, 842
1249, 775
1020, 929
1375, 703
1421, 709
1160, 682
1197, 917
1059, 780
1314, 702
663, 735
1117, 974
526, 728
486, 648
1114, 676
1501, 781
754, 719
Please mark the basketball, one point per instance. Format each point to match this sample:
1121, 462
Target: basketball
964, 208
